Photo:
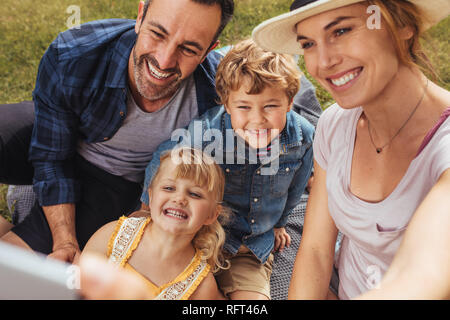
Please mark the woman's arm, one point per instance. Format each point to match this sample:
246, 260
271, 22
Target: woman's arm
421, 266
313, 265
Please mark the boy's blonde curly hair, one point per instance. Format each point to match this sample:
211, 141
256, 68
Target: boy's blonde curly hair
246, 63
195, 165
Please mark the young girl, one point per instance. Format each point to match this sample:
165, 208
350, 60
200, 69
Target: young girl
174, 246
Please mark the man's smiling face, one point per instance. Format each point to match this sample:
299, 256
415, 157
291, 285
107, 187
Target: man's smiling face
172, 41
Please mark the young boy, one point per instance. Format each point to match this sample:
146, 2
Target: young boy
265, 150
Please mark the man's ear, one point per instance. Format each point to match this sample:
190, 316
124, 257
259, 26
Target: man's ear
137, 26
211, 48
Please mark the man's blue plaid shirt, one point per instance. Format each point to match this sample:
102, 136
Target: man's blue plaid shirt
80, 93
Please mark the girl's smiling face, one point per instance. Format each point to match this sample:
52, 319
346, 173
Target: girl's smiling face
179, 205
351, 61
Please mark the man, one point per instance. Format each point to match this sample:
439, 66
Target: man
106, 95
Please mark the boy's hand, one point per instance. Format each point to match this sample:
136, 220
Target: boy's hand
282, 239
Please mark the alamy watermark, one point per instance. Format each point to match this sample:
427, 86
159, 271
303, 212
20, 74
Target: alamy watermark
374, 277
228, 147
374, 21
74, 20
73, 278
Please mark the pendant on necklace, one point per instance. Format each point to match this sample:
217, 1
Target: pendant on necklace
379, 150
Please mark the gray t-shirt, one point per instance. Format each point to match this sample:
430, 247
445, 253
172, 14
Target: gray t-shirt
129, 151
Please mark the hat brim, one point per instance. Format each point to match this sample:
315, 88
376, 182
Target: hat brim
278, 33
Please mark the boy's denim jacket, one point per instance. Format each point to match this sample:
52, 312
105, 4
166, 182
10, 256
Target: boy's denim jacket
260, 199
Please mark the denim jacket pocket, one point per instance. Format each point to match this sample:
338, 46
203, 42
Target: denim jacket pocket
280, 182
234, 179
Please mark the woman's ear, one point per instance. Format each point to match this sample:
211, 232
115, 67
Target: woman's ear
406, 33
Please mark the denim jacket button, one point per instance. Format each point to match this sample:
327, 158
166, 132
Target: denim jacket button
255, 199
253, 221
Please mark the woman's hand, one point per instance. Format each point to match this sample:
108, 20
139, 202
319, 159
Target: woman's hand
103, 281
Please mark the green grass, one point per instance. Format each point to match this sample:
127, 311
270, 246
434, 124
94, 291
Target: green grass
3, 206
26, 30
27, 27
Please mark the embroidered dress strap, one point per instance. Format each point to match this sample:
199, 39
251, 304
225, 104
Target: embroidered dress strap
125, 239
183, 289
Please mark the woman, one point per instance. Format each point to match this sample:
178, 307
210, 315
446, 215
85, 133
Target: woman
382, 152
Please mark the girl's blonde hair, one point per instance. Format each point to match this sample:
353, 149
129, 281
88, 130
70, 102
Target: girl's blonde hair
195, 165
399, 14
248, 63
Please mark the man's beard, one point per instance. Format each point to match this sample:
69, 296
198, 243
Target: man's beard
148, 90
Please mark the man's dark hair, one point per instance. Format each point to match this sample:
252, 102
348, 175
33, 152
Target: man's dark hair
226, 6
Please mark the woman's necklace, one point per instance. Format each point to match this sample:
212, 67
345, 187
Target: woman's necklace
379, 149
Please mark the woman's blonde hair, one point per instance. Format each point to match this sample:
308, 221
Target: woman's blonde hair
248, 63
195, 165
399, 14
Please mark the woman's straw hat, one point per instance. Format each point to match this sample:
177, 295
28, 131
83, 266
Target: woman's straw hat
278, 34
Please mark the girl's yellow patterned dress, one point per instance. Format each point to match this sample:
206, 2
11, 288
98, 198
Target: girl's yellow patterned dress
124, 241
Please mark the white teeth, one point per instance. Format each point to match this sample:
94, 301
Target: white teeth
345, 79
175, 213
258, 131
156, 73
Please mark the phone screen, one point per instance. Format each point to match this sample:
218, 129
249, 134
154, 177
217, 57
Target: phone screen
26, 276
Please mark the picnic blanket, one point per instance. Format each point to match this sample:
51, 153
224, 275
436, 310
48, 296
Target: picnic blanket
284, 261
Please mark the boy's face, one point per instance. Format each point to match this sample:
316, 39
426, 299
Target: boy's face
258, 118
